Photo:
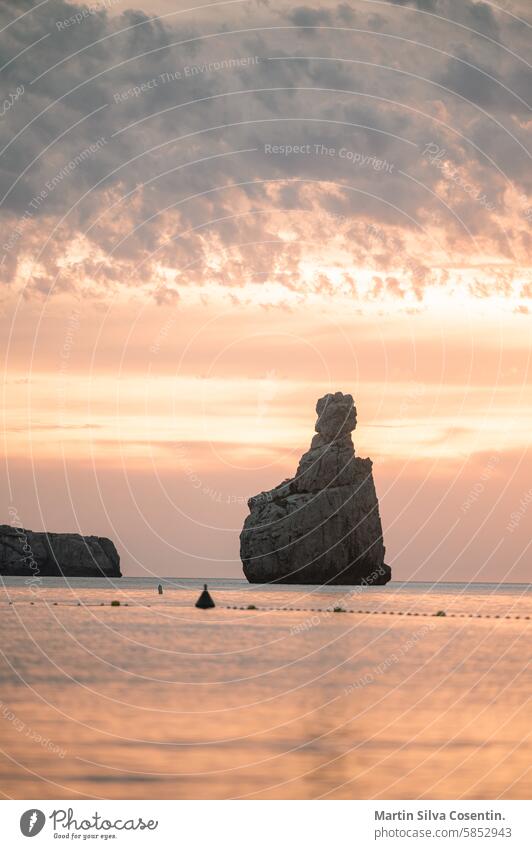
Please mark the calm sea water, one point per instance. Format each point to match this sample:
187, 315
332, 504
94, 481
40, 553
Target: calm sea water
159, 700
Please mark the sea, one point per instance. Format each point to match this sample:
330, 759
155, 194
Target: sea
409, 691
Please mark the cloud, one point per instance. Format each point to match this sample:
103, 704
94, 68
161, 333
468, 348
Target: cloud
304, 16
423, 5
139, 153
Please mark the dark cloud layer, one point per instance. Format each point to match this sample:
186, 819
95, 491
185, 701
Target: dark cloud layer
172, 141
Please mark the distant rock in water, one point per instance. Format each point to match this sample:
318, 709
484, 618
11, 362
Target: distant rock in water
35, 553
323, 525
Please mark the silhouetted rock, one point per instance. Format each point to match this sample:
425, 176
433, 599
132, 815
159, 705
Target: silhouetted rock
36, 553
322, 526
205, 600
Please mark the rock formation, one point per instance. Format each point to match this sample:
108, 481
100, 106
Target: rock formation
39, 554
323, 525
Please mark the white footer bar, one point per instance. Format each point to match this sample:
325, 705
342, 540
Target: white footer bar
267, 824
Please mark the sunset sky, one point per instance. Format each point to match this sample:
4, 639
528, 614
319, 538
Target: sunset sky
213, 214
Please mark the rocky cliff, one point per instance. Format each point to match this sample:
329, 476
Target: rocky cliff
24, 552
323, 525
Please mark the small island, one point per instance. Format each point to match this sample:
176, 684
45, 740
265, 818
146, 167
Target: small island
323, 525
42, 554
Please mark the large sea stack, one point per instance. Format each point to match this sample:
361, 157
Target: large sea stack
36, 553
323, 525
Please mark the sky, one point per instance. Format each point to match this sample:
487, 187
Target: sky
214, 213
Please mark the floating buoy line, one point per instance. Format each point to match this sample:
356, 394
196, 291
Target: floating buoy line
205, 601
373, 612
